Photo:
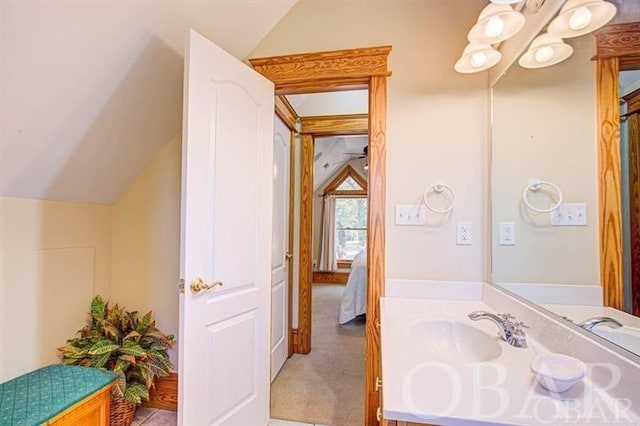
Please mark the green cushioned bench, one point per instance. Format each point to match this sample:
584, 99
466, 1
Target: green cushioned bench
57, 394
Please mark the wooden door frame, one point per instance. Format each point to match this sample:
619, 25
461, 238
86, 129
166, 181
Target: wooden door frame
351, 69
618, 49
633, 151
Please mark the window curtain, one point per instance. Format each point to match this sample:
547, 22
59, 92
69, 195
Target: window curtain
328, 260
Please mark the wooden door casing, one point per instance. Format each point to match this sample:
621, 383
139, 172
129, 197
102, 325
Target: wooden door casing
633, 125
618, 48
364, 68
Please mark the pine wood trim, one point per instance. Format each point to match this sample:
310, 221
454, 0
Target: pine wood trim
609, 182
347, 172
620, 41
615, 44
298, 68
294, 334
306, 232
330, 277
376, 243
285, 111
336, 125
346, 70
165, 393
290, 244
633, 126
633, 101
93, 410
344, 264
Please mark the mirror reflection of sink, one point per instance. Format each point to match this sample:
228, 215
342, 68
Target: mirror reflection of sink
627, 337
454, 341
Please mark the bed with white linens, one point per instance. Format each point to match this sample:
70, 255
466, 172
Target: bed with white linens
354, 298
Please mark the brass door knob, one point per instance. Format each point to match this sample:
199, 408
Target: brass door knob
198, 285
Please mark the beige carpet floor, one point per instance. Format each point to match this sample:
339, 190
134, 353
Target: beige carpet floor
327, 385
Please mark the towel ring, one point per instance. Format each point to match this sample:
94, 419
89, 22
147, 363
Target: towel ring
534, 185
439, 188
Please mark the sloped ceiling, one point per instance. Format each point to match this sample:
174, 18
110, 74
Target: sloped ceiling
333, 153
91, 91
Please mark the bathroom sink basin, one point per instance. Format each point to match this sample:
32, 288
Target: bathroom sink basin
450, 341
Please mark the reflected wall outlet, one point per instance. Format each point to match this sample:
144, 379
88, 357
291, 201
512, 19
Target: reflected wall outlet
569, 214
507, 234
410, 214
464, 233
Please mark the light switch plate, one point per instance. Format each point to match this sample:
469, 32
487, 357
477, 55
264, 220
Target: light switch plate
410, 214
569, 214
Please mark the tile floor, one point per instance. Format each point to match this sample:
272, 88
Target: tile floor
154, 417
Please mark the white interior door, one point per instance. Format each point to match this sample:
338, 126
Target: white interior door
227, 163
279, 247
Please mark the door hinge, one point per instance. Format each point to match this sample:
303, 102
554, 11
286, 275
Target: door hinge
181, 285
378, 384
379, 414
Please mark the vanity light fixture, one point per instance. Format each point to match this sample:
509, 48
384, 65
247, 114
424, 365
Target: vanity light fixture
496, 23
578, 17
476, 58
545, 50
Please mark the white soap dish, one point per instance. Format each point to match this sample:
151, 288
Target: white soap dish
557, 372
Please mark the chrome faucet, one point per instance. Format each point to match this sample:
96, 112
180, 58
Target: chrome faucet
589, 323
509, 331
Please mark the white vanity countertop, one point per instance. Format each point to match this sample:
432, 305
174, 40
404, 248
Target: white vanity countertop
425, 386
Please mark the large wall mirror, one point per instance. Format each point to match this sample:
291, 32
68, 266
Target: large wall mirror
546, 189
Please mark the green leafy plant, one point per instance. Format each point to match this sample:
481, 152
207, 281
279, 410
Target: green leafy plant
117, 340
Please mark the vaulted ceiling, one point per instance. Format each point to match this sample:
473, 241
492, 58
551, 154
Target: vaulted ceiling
91, 91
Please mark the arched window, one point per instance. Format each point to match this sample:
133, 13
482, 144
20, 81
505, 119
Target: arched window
350, 216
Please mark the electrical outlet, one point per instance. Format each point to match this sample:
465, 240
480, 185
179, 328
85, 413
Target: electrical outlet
410, 214
569, 214
507, 234
464, 233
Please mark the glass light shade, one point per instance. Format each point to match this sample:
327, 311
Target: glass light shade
543, 54
578, 17
476, 58
545, 50
496, 23
505, 1
494, 27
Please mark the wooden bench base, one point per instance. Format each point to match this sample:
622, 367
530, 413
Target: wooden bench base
91, 411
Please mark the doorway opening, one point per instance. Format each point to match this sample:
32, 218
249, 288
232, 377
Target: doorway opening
364, 68
330, 372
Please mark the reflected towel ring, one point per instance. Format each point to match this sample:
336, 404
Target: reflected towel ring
439, 188
534, 185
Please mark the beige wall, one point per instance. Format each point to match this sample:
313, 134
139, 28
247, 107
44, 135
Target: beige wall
545, 127
146, 241
54, 256
437, 119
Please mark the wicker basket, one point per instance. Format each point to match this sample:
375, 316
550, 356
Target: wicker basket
122, 412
